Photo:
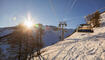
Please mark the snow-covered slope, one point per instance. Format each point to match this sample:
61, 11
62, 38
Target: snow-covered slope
80, 46
4, 44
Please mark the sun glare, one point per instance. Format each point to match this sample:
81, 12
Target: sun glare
28, 23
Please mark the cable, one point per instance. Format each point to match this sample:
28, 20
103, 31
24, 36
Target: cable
53, 9
65, 10
73, 4
71, 7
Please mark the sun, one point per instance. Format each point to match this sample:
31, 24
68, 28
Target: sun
28, 23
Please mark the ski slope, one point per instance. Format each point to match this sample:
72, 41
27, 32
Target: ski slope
79, 46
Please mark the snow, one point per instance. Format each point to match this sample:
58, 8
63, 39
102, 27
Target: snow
4, 47
79, 46
5, 32
3, 43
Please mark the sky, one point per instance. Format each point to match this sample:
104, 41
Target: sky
47, 12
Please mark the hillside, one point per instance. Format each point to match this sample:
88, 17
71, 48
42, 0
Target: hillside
79, 46
52, 36
9, 37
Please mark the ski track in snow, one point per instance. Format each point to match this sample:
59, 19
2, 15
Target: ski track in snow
80, 46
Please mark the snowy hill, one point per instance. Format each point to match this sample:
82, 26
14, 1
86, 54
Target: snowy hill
79, 46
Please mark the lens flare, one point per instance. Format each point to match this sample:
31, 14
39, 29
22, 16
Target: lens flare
28, 23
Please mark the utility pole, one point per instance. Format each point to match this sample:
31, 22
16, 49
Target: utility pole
40, 32
62, 25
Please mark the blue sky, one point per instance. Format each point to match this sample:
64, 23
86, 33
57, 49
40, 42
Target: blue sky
47, 12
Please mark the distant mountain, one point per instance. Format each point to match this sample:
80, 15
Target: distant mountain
52, 35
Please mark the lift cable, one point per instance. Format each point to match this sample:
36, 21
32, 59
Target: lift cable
53, 9
71, 7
